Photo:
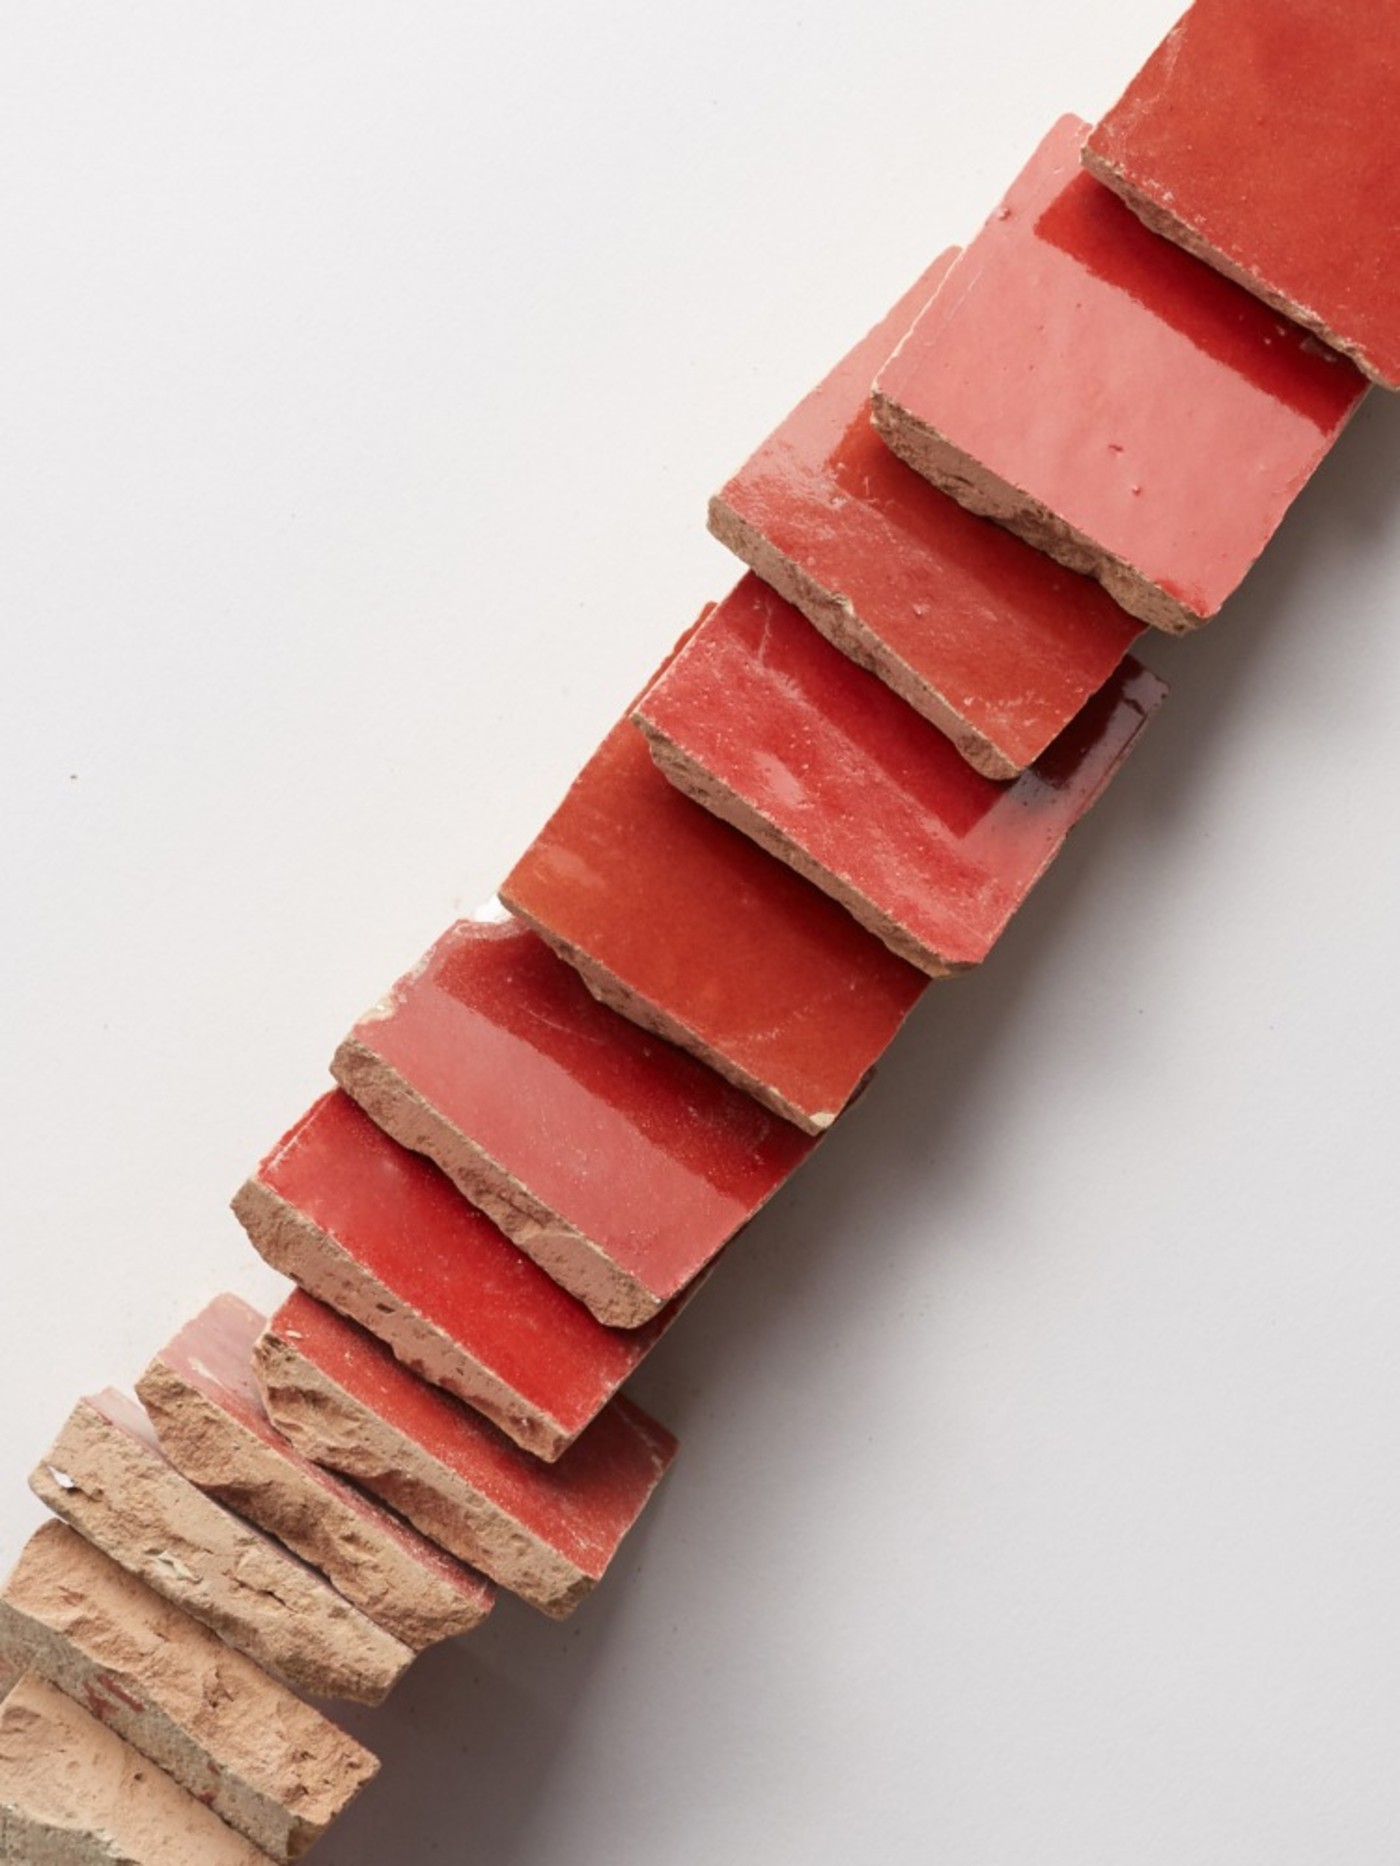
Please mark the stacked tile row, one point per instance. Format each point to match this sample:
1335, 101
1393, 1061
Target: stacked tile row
836, 790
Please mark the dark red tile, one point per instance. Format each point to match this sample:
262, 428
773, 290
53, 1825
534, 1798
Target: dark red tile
201, 1397
968, 624
765, 723
1119, 404
692, 930
1261, 136
382, 1235
545, 1531
618, 1163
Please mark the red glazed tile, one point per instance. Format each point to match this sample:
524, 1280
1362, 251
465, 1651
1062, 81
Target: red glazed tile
695, 932
766, 724
106, 1477
545, 1531
381, 1235
619, 1164
1261, 136
965, 622
201, 1397
1118, 403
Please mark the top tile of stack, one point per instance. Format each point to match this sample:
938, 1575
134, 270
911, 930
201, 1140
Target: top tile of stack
1260, 135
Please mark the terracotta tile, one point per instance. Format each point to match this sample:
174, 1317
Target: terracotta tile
617, 1163
201, 1397
243, 1744
381, 1235
689, 928
107, 1477
1113, 400
965, 622
71, 1790
768, 725
1260, 135
545, 1531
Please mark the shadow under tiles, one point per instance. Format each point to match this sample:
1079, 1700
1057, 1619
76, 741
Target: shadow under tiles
490, 1713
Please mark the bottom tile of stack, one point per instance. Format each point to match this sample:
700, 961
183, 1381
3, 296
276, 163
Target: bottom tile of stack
268, 1764
73, 1793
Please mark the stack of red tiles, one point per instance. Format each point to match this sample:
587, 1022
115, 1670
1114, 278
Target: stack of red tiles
838, 788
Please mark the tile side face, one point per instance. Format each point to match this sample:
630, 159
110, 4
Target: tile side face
105, 1475
72, 1790
620, 1164
969, 625
761, 720
266, 1763
1111, 399
203, 1400
382, 1235
1260, 135
545, 1531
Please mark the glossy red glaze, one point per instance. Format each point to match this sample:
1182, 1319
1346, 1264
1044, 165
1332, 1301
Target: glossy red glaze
649, 1154
581, 1506
1146, 402
1261, 133
213, 1356
864, 795
425, 1252
724, 949
899, 575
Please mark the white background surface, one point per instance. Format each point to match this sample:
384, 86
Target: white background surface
365, 372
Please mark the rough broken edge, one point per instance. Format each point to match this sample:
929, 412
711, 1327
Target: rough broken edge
931, 453
332, 1427
619, 996
355, 1548
73, 1793
1160, 219
704, 788
576, 1262
94, 1460
267, 1789
834, 615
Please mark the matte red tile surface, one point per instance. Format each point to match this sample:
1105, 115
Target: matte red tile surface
967, 623
611, 1157
767, 724
694, 931
208, 1415
382, 1235
579, 1508
1261, 134
1124, 406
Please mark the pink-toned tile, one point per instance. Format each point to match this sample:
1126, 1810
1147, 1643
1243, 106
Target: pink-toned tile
965, 622
1119, 404
618, 1163
765, 723
692, 930
246, 1746
545, 1531
1261, 135
201, 1397
382, 1235
106, 1476
71, 1790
